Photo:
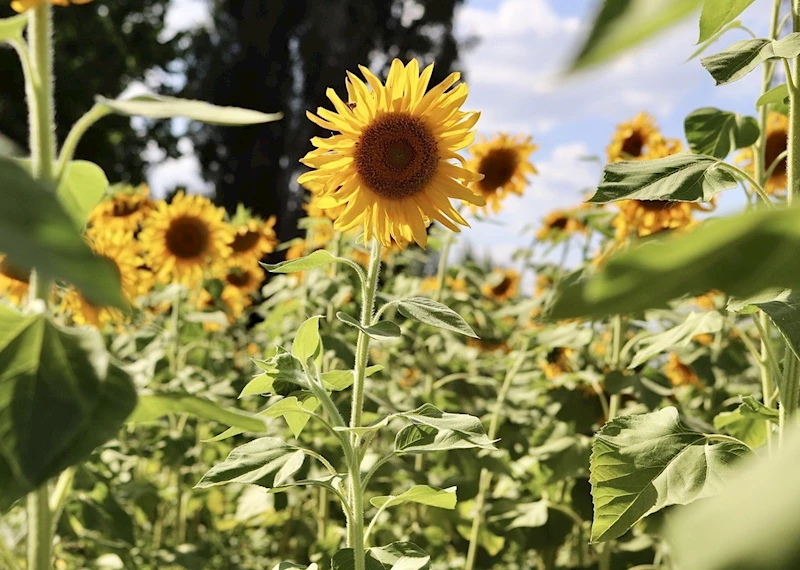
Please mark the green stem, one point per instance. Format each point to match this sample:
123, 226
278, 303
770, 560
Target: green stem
76, 134
790, 394
793, 161
40, 530
355, 523
7, 556
756, 186
42, 117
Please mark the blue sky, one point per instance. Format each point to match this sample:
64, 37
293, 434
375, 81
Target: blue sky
515, 81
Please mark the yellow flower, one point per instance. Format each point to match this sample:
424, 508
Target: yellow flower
185, 240
651, 216
390, 166
708, 301
502, 285
323, 207
543, 284
556, 363
560, 222
679, 374
639, 139
239, 284
13, 282
253, 240
503, 161
431, 284
123, 211
23, 5
776, 143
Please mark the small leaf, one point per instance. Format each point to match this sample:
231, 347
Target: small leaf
266, 461
436, 314
681, 335
295, 412
12, 28
82, 187
641, 464
569, 335
775, 95
785, 314
307, 343
162, 107
681, 177
744, 56
716, 133
753, 408
435, 430
717, 14
283, 374
338, 380
319, 258
421, 494
382, 330
749, 429
153, 406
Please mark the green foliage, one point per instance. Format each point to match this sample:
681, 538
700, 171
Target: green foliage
716, 133
681, 335
777, 95
382, 330
82, 187
784, 312
717, 14
267, 461
744, 56
153, 406
420, 494
319, 258
435, 314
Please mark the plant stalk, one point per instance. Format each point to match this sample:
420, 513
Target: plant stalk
40, 530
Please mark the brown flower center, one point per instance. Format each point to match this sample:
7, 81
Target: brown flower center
397, 156
12, 272
559, 223
238, 278
244, 242
126, 207
633, 145
503, 287
776, 144
497, 167
187, 237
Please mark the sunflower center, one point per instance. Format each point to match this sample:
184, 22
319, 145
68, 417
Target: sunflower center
633, 145
559, 223
397, 156
775, 145
497, 167
125, 209
12, 272
187, 237
245, 242
656, 205
503, 287
238, 278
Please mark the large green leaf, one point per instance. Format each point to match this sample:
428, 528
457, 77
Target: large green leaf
744, 56
681, 335
163, 107
267, 461
82, 187
436, 314
785, 313
60, 398
716, 133
421, 494
717, 14
154, 405
741, 255
641, 464
682, 177
622, 24
36, 231
296, 412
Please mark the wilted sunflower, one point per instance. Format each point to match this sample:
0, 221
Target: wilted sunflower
559, 223
13, 282
253, 240
23, 5
123, 211
776, 144
679, 374
504, 161
502, 285
390, 166
185, 239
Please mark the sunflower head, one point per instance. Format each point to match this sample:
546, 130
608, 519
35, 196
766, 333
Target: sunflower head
24, 5
504, 162
253, 239
776, 143
559, 223
557, 362
679, 374
640, 139
124, 210
240, 282
502, 285
13, 282
323, 207
390, 165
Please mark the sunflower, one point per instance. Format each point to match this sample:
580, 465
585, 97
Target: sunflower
635, 139
252, 240
503, 162
502, 285
23, 5
559, 223
556, 363
775, 145
13, 282
679, 374
186, 239
239, 284
390, 166
647, 217
323, 207
123, 211
430, 284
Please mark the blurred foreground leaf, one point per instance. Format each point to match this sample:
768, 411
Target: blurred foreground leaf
153, 406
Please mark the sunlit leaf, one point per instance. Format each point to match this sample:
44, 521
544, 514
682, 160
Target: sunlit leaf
436, 314
319, 258
82, 187
266, 461
307, 343
744, 56
382, 330
717, 14
421, 494
12, 28
777, 94
681, 335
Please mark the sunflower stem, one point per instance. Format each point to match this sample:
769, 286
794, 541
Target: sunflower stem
793, 166
355, 526
75, 135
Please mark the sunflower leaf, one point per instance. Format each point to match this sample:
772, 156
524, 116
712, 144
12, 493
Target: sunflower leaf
420, 494
742, 57
435, 314
319, 258
155, 405
680, 177
778, 94
82, 187
717, 14
714, 132
382, 330
266, 461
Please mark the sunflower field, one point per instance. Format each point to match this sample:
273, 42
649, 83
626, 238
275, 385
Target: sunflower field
624, 395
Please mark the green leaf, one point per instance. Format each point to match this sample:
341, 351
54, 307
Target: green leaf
421, 494
154, 405
163, 107
293, 566
319, 258
753, 408
623, 24
744, 56
749, 305
382, 330
741, 255
81, 189
338, 380
681, 335
641, 464
36, 231
436, 314
283, 374
295, 412
307, 343
267, 461
12, 28
775, 95
681, 177
716, 133
344, 559
435, 430
529, 515
60, 398
736, 24
401, 556
750, 429
785, 314
717, 14
570, 335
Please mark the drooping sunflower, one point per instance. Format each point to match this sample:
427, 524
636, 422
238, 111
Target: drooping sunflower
23, 5
504, 163
559, 223
252, 240
185, 240
390, 165
13, 282
123, 211
680, 374
777, 142
502, 285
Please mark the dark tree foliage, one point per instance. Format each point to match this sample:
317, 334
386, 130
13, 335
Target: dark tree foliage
100, 49
282, 55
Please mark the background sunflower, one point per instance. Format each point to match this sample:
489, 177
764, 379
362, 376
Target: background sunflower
504, 162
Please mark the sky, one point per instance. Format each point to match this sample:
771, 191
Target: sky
515, 77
